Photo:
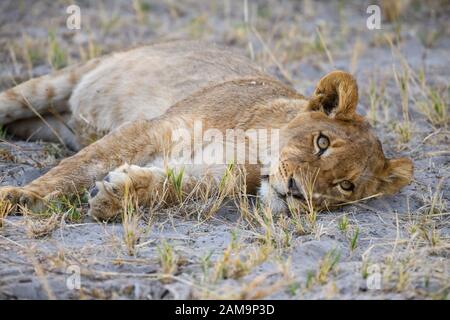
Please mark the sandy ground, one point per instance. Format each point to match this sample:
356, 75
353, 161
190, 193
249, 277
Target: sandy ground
391, 248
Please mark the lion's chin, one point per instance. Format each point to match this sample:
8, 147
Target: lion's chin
271, 199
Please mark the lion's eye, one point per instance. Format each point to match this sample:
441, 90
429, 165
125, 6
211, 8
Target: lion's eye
347, 185
323, 142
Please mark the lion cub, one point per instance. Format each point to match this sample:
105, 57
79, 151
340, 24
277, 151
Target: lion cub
123, 112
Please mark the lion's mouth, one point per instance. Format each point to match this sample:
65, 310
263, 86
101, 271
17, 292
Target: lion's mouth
284, 196
299, 197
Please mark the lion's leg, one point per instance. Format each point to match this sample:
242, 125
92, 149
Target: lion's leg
145, 186
134, 143
50, 128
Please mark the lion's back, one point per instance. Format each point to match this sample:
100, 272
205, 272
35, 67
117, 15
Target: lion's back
143, 83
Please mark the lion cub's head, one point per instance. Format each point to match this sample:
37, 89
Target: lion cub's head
330, 155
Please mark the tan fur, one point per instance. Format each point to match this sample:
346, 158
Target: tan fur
132, 102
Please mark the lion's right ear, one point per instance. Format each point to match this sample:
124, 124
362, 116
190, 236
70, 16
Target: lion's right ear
396, 174
336, 95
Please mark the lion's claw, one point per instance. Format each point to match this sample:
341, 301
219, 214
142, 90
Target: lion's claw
106, 199
21, 197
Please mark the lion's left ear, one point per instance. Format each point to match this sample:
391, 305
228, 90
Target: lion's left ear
336, 95
396, 174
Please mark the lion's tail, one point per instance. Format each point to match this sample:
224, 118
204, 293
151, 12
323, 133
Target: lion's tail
40, 95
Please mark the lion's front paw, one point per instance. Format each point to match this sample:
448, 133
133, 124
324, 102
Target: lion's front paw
23, 198
106, 198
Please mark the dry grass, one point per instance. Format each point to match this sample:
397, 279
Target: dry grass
40, 227
237, 261
327, 265
5, 209
132, 231
260, 287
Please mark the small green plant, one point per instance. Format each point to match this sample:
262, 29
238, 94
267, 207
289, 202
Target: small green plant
354, 239
206, 263
168, 261
226, 176
198, 26
70, 207
3, 133
141, 9
293, 288
343, 223
439, 106
176, 181
365, 269
57, 57
404, 131
435, 108
74, 214
310, 276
